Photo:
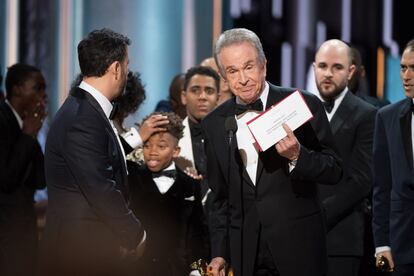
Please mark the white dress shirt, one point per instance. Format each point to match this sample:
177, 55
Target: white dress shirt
164, 183
248, 151
338, 102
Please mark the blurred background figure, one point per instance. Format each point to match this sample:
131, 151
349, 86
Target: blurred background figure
225, 92
174, 104
1, 91
22, 167
129, 102
358, 83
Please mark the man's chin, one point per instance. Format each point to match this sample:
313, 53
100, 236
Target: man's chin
409, 93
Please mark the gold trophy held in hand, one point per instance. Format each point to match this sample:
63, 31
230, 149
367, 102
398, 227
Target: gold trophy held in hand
202, 267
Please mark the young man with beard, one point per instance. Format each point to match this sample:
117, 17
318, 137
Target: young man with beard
393, 195
352, 122
90, 229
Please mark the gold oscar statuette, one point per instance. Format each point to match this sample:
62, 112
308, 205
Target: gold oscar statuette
384, 265
201, 266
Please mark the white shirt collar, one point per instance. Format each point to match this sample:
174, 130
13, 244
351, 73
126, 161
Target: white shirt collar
263, 96
164, 183
18, 118
338, 101
99, 97
170, 167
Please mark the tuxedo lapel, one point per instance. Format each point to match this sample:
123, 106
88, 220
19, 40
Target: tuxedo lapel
82, 94
235, 157
10, 118
342, 113
405, 126
273, 97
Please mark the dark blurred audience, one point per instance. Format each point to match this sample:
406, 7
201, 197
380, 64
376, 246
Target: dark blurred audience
358, 84
174, 103
22, 167
1, 91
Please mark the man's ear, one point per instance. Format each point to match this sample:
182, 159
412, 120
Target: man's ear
177, 151
115, 68
351, 71
183, 97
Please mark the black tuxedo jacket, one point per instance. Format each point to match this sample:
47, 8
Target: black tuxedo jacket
393, 193
283, 204
353, 128
88, 217
173, 222
21, 173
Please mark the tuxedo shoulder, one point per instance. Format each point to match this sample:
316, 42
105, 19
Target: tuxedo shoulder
182, 176
395, 107
363, 105
219, 111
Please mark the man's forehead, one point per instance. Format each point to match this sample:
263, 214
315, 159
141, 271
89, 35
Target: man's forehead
407, 57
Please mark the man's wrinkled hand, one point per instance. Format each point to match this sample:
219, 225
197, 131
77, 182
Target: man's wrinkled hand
388, 256
217, 267
289, 146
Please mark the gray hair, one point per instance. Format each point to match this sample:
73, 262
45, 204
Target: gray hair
238, 36
410, 46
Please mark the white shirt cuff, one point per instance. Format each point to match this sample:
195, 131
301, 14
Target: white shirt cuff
381, 249
292, 165
144, 237
132, 137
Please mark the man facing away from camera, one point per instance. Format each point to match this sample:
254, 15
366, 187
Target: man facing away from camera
90, 230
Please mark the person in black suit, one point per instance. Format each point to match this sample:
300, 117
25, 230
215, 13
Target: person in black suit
265, 215
352, 123
393, 193
90, 230
168, 203
22, 167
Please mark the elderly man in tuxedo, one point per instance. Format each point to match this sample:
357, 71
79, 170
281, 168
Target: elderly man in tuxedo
265, 215
393, 194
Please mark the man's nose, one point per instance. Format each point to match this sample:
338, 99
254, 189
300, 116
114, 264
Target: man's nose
243, 78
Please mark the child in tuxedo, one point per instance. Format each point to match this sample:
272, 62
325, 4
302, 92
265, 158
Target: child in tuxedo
167, 202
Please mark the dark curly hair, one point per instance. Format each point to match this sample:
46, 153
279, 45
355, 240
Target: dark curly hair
17, 74
204, 71
134, 95
99, 50
175, 126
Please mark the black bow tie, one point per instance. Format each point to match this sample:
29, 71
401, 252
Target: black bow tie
166, 173
115, 108
256, 106
195, 129
329, 105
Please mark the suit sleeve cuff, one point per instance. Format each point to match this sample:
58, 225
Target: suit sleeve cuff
381, 249
132, 137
